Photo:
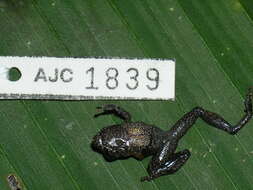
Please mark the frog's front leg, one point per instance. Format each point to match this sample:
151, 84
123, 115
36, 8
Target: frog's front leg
166, 162
115, 110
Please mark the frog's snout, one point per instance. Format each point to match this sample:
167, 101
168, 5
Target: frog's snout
97, 143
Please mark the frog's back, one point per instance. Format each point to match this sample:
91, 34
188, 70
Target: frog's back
144, 139
135, 139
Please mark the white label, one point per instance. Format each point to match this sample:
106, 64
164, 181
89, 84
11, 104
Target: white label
87, 78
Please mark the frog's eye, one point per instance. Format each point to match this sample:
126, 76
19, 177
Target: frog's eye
116, 142
119, 142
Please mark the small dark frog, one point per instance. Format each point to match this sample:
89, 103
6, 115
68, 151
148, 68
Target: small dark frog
139, 140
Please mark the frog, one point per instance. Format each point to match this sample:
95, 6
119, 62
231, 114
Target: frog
140, 140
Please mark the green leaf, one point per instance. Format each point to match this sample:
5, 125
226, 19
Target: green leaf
46, 144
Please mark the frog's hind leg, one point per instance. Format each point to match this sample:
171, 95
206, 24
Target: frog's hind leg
115, 110
167, 166
213, 119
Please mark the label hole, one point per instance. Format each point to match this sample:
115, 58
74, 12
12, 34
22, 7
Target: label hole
14, 74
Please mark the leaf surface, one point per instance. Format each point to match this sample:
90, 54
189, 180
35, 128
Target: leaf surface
46, 144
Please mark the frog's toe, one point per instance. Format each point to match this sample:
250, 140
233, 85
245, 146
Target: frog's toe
99, 107
146, 178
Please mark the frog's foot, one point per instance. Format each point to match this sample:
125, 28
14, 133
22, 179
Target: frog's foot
166, 166
146, 178
115, 110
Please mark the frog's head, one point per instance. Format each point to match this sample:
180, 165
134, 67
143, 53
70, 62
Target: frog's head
97, 143
111, 142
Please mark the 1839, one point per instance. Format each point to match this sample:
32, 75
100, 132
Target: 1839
133, 82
